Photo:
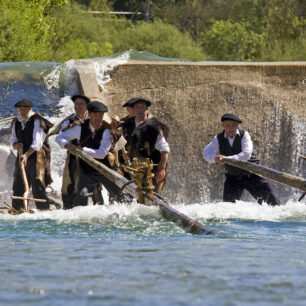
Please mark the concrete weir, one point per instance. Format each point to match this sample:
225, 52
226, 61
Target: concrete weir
190, 98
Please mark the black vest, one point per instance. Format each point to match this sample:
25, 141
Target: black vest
91, 140
141, 140
226, 150
25, 136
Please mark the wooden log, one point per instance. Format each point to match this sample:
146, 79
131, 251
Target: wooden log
7, 118
281, 177
302, 156
167, 211
25, 182
28, 199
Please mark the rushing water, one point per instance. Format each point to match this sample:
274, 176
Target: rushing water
128, 254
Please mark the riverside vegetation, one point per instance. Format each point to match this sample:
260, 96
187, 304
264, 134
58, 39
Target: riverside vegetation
230, 30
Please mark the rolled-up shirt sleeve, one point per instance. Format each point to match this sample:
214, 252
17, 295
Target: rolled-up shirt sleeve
39, 136
104, 148
209, 152
246, 147
161, 144
64, 124
64, 137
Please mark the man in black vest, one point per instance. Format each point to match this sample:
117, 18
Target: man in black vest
236, 143
29, 131
70, 174
94, 136
146, 138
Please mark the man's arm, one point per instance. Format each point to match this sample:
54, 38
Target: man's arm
161, 169
63, 138
210, 151
163, 147
105, 145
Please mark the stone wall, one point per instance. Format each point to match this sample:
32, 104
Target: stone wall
191, 97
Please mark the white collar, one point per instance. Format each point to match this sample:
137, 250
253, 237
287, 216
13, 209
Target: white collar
237, 133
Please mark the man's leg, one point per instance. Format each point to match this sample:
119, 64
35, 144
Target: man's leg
113, 190
38, 190
261, 190
86, 186
18, 189
232, 189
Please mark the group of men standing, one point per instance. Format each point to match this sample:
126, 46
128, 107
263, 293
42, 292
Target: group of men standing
139, 134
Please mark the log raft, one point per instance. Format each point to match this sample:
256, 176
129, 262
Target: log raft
167, 211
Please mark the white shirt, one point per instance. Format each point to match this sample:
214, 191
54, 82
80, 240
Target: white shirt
63, 138
210, 151
161, 144
38, 134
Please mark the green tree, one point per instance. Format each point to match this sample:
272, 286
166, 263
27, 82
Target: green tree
228, 41
25, 29
158, 38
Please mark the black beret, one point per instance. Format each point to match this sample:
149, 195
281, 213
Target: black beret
24, 103
230, 117
73, 98
97, 107
132, 102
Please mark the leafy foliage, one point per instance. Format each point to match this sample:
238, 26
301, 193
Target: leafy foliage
232, 41
244, 30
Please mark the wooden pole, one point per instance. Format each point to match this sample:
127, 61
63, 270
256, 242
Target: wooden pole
281, 177
7, 118
302, 156
26, 193
167, 211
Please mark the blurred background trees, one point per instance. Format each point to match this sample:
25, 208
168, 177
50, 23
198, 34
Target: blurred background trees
222, 30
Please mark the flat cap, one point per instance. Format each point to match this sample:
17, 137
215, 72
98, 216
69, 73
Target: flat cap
97, 107
132, 102
230, 117
24, 103
73, 98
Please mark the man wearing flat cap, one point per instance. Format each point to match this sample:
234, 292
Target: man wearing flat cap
94, 138
70, 173
146, 138
29, 130
236, 143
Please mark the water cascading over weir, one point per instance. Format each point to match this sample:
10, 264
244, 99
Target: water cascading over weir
191, 97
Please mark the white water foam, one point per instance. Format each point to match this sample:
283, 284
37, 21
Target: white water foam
245, 211
102, 68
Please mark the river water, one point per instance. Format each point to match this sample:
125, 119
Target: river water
128, 254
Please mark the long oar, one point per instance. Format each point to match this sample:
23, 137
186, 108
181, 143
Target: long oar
26, 193
168, 212
7, 118
303, 195
281, 177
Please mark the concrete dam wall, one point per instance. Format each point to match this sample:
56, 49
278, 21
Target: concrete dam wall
190, 98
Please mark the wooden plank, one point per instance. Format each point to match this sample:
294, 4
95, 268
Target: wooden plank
281, 177
167, 211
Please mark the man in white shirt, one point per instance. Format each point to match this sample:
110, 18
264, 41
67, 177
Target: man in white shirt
146, 138
94, 138
236, 143
28, 135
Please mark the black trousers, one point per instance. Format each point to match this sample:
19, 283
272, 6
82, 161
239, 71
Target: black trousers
258, 187
38, 190
87, 184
